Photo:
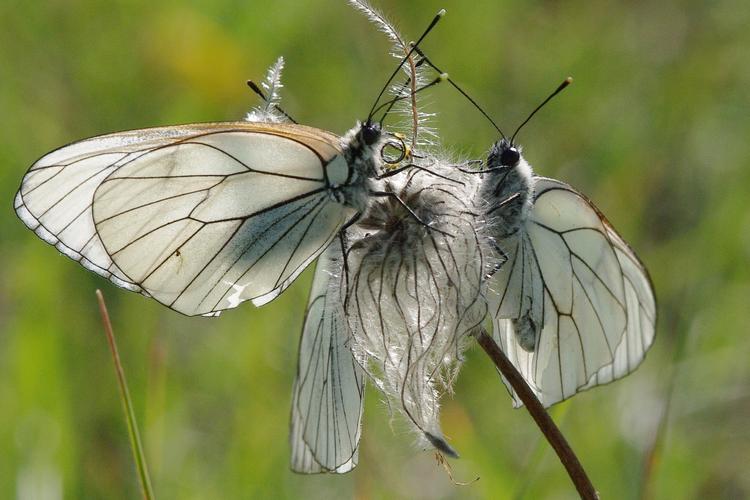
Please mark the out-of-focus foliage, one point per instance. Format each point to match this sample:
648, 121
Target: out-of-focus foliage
654, 130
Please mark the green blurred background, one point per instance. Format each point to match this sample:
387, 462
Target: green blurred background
654, 129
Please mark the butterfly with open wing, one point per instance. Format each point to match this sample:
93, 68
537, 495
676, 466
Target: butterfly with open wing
203, 217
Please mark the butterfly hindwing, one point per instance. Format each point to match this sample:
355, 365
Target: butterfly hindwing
329, 388
574, 306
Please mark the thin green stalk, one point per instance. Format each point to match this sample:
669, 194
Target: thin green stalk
127, 405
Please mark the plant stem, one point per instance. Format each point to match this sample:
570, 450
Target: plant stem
541, 417
127, 405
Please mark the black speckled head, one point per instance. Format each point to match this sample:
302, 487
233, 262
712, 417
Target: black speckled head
503, 154
371, 133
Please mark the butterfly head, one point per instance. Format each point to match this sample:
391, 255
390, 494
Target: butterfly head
393, 149
504, 154
370, 132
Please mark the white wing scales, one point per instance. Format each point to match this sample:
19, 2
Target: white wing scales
56, 194
588, 298
199, 217
641, 327
328, 390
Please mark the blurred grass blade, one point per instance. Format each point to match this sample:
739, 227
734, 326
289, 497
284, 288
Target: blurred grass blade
674, 323
127, 405
533, 463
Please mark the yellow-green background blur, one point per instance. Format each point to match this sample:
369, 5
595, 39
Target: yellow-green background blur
654, 129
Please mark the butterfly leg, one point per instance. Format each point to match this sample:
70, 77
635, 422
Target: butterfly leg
395, 171
345, 255
398, 170
503, 259
504, 202
465, 167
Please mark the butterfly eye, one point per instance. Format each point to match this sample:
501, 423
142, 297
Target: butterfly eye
510, 157
370, 133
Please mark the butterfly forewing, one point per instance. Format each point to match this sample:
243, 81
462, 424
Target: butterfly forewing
56, 194
575, 277
328, 391
201, 217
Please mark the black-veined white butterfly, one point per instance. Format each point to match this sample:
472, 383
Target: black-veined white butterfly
203, 217
200, 217
395, 300
572, 306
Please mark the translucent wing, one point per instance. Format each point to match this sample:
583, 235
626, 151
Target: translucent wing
328, 391
201, 217
56, 194
573, 306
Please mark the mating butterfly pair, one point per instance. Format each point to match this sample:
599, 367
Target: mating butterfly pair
203, 217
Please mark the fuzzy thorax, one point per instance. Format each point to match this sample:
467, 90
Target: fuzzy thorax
508, 191
365, 164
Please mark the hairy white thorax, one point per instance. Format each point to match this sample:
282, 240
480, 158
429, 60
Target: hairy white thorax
364, 164
509, 192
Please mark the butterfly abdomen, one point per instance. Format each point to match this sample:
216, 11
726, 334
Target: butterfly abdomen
526, 332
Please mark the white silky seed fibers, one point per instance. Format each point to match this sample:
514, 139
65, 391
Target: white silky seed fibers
414, 292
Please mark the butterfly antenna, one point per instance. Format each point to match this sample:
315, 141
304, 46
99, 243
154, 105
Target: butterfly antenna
460, 90
435, 20
254, 87
442, 77
559, 89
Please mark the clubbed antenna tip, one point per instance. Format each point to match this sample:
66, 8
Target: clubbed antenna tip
559, 89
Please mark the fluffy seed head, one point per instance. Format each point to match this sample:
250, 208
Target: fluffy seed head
416, 267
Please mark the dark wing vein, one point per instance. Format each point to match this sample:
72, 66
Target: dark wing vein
613, 254
327, 402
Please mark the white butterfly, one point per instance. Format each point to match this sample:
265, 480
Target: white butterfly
202, 217
573, 306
